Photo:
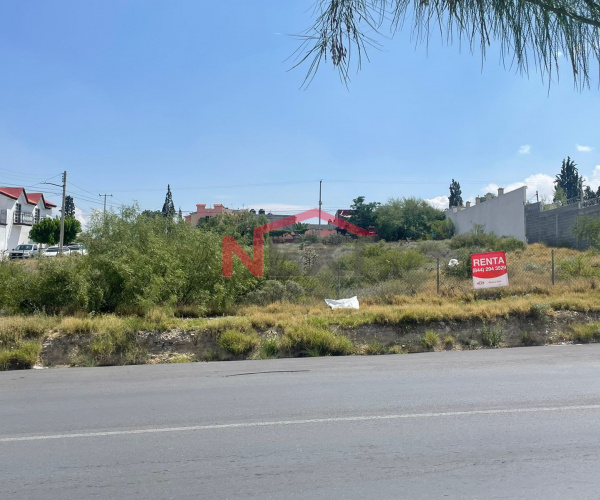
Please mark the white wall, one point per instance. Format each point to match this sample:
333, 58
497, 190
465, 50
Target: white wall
12, 235
503, 215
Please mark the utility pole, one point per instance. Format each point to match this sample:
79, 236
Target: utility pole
537, 198
62, 213
105, 195
320, 203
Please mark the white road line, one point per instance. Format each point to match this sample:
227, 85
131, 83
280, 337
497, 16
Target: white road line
300, 422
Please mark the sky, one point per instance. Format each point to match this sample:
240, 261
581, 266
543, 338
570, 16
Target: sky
129, 96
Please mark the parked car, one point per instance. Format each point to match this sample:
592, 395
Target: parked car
24, 251
77, 248
55, 251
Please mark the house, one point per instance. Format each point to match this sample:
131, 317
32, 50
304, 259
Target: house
19, 211
203, 213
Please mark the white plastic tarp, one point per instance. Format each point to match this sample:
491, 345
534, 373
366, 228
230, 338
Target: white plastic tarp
351, 303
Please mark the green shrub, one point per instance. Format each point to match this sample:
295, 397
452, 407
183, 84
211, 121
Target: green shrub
22, 356
430, 340
584, 334
491, 337
237, 343
269, 348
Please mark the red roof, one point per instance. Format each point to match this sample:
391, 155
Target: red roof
35, 198
13, 193
32, 198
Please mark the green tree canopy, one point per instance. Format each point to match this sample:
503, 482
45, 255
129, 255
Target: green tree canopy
406, 218
168, 209
455, 199
47, 231
364, 213
240, 225
528, 32
568, 180
44, 231
69, 207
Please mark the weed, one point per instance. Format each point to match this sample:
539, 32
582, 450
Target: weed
584, 334
306, 340
237, 343
21, 357
430, 340
491, 337
375, 347
448, 342
183, 358
269, 348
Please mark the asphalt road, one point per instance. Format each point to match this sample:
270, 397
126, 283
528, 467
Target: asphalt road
511, 423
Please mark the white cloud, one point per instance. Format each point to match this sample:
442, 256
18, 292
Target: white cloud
81, 217
583, 149
594, 182
525, 149
439, 202
559, 54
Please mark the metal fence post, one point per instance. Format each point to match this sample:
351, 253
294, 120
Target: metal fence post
438, 275
553, 267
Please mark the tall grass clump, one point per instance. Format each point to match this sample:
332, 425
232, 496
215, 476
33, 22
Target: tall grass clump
22, 356
116, 348
237, 343
304, 339
430, 340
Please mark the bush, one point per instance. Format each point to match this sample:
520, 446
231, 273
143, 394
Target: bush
273, 291
491, 337
585, 334
430, 340
269, 348
22, 356
237, 343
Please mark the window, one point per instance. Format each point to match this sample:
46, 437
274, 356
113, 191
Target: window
17, 214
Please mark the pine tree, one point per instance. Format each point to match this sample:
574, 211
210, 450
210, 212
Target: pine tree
568, 180
69, 207
455, 199
168, 209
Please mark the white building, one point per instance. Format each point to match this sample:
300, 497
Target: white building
503, 215
19, 211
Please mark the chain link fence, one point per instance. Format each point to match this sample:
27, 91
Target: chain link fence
409, 270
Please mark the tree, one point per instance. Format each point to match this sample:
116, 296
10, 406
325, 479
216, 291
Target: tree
363, 214
168, 209
568, 180
72, 229
47, 231
44, 231
587, 229
406, 218
526, 30
455, 199
151, 213
69, 207
588, 193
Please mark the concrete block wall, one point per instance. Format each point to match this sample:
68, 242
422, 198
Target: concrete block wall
554, 227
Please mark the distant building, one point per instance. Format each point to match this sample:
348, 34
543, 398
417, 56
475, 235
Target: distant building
203, 213
19, 211
503, 215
